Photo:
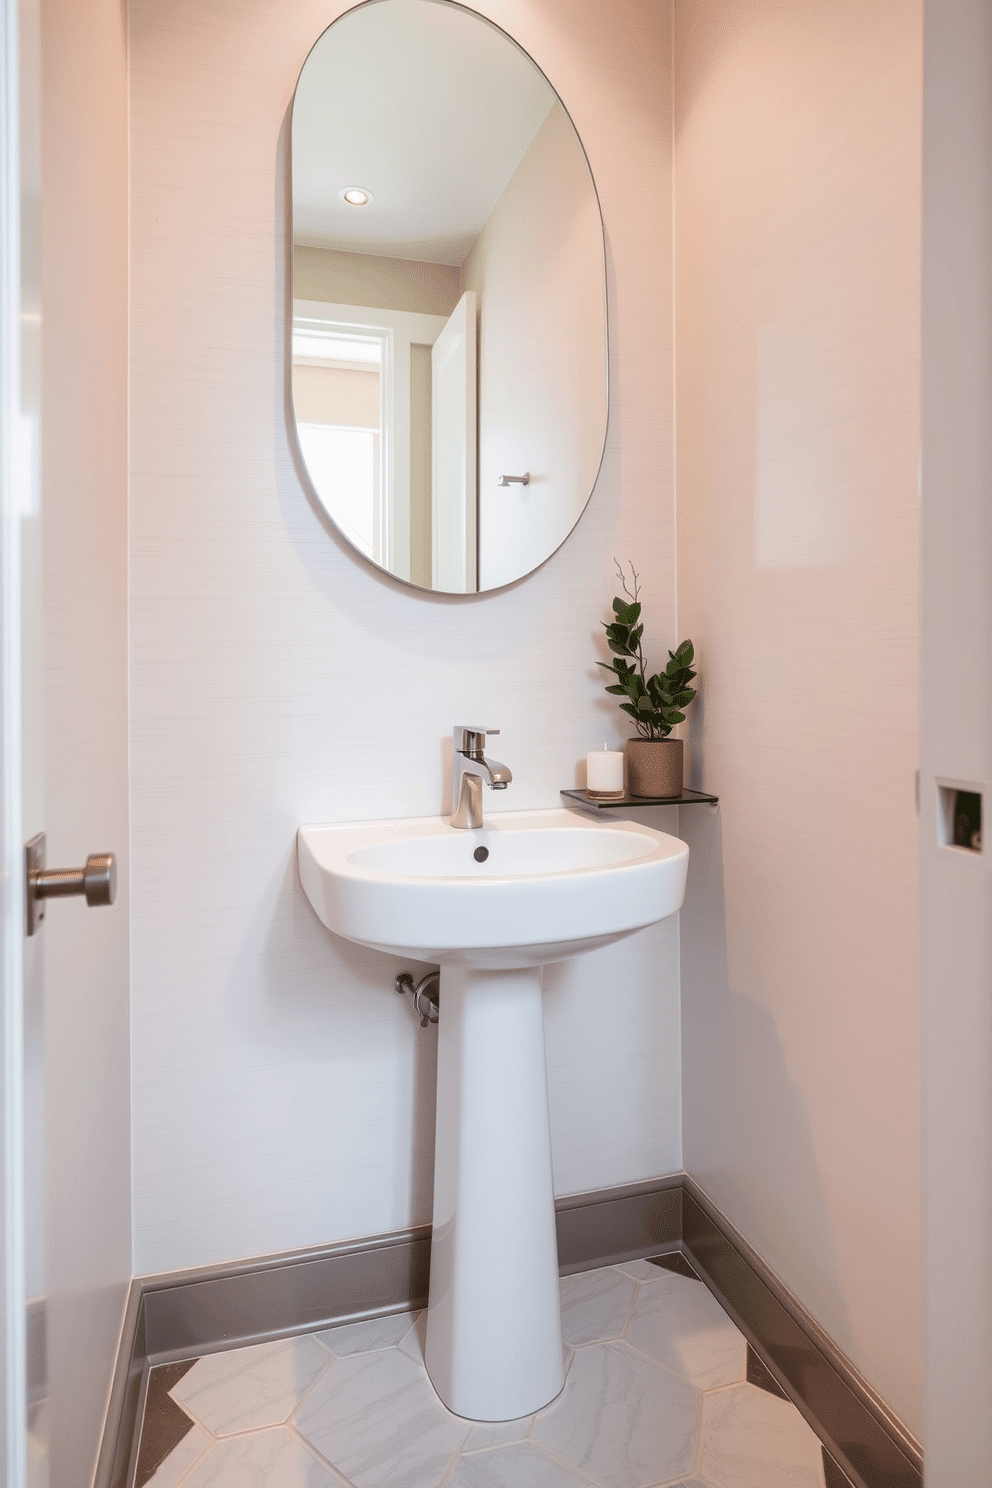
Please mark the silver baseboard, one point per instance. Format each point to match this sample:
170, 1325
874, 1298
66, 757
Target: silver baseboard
277, 1296
113, 1465
197, 1312
618, 1224
864, 1436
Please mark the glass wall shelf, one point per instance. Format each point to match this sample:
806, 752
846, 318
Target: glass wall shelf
687, 798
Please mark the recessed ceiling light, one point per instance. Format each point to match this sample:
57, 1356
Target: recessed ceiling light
356, 196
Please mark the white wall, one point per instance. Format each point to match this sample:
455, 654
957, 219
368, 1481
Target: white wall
84, 402
956, 735
283, 1094
797, 190
536, 272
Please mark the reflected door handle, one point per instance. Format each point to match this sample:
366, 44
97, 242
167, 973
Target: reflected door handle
97, 881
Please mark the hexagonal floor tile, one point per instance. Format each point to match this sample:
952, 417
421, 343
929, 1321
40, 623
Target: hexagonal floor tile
621, 1420
755, 1440
415, 1342
367, 1337
496, 1433
680, 1324
273, 1458
594, 1305
639, 1270
173, 1468
246, 1388
519, 1466
377, 1419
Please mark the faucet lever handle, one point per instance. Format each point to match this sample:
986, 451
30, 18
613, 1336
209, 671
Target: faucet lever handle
471, 739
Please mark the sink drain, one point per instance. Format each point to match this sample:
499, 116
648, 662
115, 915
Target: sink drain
481, 854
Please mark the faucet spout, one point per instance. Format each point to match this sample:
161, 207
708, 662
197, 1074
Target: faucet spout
495, 775
470, 771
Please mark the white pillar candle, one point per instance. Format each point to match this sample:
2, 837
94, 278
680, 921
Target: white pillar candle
604, 771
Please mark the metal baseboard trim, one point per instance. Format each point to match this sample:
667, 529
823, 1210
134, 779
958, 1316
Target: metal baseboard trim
618, 1224
865, 1437
277, 1296
113, 1467
189, 1313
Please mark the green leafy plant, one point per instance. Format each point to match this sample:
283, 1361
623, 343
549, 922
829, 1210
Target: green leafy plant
654, 703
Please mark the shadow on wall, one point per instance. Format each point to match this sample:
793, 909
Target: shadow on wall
333, 1007
747, 1136
611, 1026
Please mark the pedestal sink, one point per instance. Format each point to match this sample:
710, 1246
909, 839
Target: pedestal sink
492, 906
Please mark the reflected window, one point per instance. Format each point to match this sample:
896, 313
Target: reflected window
338, 396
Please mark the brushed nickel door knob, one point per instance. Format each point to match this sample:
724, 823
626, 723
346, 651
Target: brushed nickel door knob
96, 881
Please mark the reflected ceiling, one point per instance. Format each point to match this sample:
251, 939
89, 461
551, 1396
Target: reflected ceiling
406, 99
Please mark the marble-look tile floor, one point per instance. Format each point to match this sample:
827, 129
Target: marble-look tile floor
661, 1389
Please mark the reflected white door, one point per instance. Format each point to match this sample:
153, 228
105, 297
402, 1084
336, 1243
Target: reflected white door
454, 451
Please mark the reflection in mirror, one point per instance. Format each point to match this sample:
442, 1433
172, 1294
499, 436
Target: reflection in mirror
449, 284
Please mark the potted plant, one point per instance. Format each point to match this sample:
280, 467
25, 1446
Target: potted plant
654, 761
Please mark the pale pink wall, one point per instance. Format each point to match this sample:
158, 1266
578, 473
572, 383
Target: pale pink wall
797, 209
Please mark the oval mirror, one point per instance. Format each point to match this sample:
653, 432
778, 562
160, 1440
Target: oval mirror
449, 359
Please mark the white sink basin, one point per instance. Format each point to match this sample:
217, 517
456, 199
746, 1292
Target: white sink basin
553, 884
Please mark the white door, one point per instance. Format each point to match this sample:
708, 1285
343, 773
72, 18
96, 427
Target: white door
65, 1242
454, 451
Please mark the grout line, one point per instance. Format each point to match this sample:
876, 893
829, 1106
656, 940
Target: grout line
683, 1379
630, 1305
571, 1467
317, 1454
452, 1467
321, 1373
212, 1442
697, 1456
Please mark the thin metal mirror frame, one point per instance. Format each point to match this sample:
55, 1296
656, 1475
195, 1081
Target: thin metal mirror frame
299, 460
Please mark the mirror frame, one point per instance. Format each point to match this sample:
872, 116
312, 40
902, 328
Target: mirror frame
295, 445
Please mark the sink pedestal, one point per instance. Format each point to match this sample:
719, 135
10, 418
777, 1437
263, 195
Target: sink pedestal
494, 1349
547, 885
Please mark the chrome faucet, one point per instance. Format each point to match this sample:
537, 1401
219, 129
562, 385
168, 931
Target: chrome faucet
470, 769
